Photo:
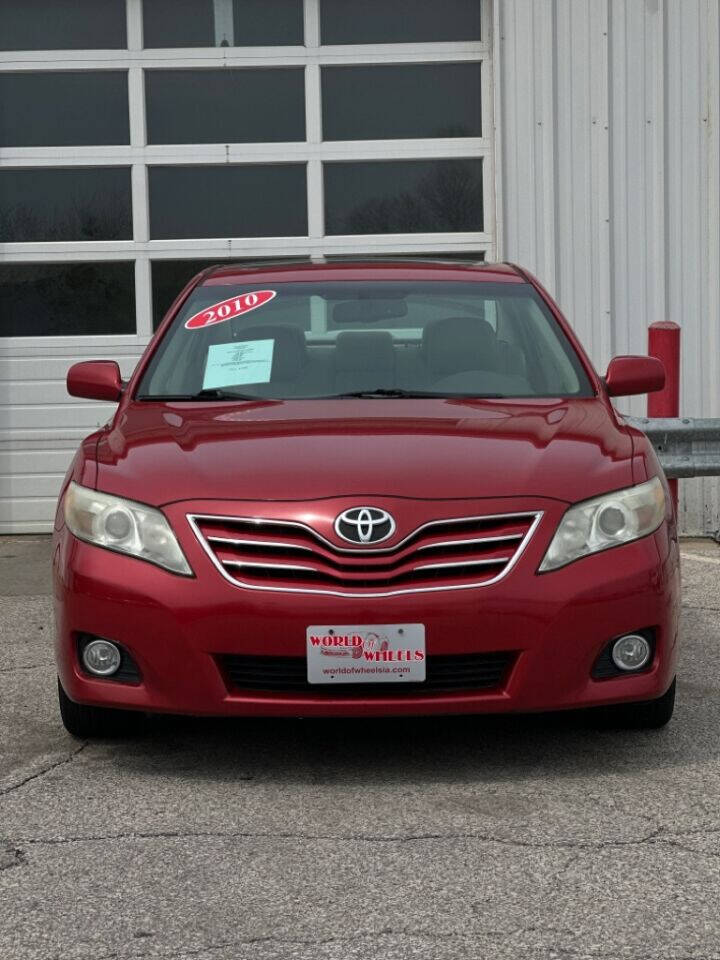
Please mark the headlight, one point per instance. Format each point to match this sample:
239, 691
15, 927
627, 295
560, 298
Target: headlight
124, 526
605, 522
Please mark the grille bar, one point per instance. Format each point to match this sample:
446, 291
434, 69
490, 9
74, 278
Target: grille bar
445, 673
264, 544
465, 551
267, 566
470, 543
463, 563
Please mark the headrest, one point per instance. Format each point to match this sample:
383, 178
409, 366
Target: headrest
289, 350
361, 352
454, 344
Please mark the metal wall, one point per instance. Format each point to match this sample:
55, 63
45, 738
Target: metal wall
609, 151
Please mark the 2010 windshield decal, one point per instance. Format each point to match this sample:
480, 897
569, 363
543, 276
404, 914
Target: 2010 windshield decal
228, 309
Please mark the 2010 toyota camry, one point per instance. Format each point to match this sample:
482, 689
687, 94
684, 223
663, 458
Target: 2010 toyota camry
365, 488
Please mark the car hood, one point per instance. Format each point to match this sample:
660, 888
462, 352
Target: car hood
161, 453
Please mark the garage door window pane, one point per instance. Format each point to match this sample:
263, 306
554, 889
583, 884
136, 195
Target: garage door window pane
229, 201
408, 101
267, 22
66, 299
39, 204
414, 196
222, 23
399, 21
225, 106
64, 109
56, 25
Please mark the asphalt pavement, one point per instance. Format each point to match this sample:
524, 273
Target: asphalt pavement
526, 838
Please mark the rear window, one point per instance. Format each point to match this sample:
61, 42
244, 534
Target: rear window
309, 340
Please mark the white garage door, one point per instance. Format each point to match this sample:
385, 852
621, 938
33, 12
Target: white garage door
158, 136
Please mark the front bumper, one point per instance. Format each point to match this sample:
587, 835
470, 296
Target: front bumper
556, 625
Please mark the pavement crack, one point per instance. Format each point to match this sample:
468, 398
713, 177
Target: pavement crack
32, 666
385, 934
340, 838
686, 848
44, 771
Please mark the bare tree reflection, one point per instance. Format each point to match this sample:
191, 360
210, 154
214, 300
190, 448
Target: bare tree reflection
102, 215
38, 299
447, 199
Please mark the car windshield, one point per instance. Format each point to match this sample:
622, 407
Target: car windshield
393, 338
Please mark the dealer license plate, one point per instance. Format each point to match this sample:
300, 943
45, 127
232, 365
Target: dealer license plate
375, 653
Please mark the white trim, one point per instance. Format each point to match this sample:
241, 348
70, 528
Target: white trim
224, 25
313, 112
134, 15
494, 130
313, 124
241, 246
143, 297
140, 209
316, 200
136, 110
124, 343
311, 19
210, 57
170, 154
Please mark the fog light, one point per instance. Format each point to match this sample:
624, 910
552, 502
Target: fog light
631, 652
101, 658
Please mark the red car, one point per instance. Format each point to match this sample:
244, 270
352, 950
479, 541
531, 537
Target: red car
361, 489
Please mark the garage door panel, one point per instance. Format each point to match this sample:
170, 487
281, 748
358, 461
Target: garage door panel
18, 418
29, 393
18, 515
16, 463
41, 426
32, 485
50, 369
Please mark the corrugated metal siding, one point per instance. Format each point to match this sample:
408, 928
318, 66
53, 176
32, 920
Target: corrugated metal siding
608, 115
41, 426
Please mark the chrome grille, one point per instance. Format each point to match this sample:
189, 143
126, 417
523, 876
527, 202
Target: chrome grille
288, 555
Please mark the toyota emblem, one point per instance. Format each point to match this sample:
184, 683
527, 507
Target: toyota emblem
364, 525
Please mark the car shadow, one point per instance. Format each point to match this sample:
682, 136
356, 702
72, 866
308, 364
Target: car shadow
427, 749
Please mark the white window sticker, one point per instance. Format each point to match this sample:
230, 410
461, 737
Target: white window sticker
232, 364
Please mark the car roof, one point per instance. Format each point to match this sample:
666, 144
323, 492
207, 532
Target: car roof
361, 268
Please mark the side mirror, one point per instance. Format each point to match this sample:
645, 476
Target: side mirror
627, 376
95, 380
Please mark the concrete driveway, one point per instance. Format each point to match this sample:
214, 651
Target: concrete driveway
527, 838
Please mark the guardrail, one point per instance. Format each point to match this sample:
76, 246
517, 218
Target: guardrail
686, 446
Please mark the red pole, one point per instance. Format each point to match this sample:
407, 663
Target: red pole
664, 343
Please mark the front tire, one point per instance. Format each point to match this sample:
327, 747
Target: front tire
647, 715
87, 723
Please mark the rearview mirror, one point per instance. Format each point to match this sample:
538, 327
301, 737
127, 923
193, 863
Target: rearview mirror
627, 376
95, 380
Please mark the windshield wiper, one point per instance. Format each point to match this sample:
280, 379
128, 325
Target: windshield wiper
210, 393
392, 392
215, 393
